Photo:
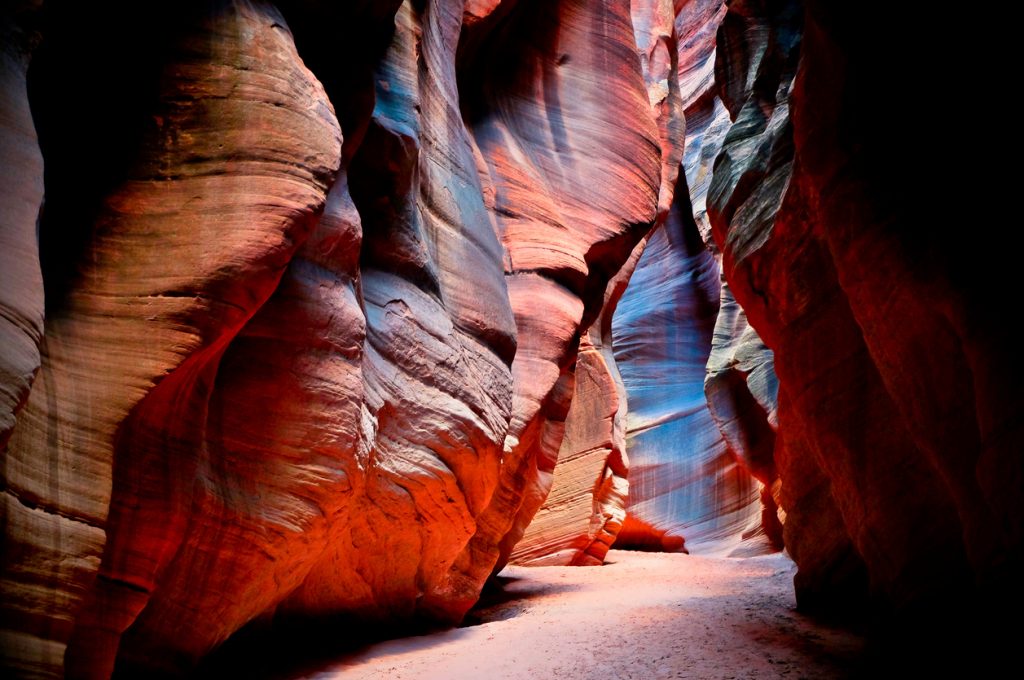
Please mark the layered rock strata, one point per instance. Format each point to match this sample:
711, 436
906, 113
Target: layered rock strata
899, 432
584, 510
740, 384
572, 191
686, 486
711, 497
21, 283
291, 375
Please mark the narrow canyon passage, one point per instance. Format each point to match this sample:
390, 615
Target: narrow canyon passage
327, 324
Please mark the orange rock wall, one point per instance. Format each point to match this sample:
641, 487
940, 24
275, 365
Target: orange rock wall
310, 338
308, 310
899, 427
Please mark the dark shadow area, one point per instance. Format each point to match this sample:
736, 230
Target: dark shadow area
287, 647
342, 44
940, 639
93, 85
495, 594
815, 645
504, 597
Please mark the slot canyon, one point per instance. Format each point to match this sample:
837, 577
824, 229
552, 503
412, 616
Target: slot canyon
506, 339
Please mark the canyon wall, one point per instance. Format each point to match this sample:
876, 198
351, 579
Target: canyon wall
696, 433
21, 281
693, 461
740, 383
685, 484
583, 512
349, 304
310, 334
681, 339
570, 204
900, 429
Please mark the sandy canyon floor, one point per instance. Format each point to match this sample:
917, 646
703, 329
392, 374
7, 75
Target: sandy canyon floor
642, 615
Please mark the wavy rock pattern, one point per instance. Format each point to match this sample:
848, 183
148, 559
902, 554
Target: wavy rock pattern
897, 465
290, 375
21, 293
315, 356
184, 254
742, 392
685, 485
740, 384
586, 505
757, 58
676, 279
707, 120
572, 175
21, 283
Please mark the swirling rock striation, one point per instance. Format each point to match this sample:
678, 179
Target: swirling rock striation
585, 508
740, 385
287, 374
571, 168
21, 287
583, 513
183, 254
687, 480
900, 433
686, 486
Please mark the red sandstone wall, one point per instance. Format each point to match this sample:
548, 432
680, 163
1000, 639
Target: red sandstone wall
900, 430
314, 354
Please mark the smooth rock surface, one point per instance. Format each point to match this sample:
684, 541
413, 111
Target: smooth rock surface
185, 252
707, 120
291, 377
331, 288
899, 456
677, 280
21, 282
740, 385
742, 392
685, 484
758, 49
571, 162
585, 508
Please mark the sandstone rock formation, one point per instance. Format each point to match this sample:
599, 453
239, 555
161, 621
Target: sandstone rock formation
740, 384
336, 294
584, 510
758, 50
685, 484
21, 285
572, 191
185, 252
680, 281
742, 394
900, 431
707, 120
293, 376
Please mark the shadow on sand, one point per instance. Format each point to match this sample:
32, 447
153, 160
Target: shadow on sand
295, 648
